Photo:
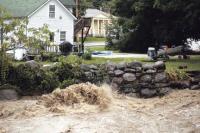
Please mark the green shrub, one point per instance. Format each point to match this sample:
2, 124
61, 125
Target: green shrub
33, 81
67, 83
4, 67
52, 57
68, 68
87, 55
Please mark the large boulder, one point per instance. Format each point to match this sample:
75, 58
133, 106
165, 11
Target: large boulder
129, 77
8, 92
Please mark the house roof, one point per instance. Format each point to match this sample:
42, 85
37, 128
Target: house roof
91, 13
22, 8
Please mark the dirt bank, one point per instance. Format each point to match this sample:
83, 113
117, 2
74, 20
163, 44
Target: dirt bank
177, 112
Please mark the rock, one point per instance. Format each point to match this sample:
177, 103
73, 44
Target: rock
111, 73
162, 85
160, 65
129, 88
150, 71
146, 85
148, 66
138, 75
132, 95
138, 69
33, 64
129, 70
129, 77
146, 78
195, 80
117, 80
180, 84
8, 94
161, 77
134, 64
115, 86
121, 66
118, 72
93, 67
148, 93
88, 75
195, 87
110, 66
165, 90
85, 67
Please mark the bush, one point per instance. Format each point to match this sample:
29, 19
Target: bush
4, 67
87, 55
65, 48
33, 80
68, 68
66, 83
52, 57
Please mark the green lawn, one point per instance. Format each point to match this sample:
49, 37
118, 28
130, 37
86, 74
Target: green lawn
99, 48
193, 63
95, 39
96, 48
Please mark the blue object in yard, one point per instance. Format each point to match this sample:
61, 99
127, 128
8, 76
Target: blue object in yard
102, 53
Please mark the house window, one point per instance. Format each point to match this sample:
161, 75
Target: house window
51, 11
62, 36
51, 37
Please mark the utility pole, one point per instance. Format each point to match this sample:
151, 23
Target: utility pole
77, 8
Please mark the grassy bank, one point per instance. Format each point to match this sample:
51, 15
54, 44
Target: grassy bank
95, 39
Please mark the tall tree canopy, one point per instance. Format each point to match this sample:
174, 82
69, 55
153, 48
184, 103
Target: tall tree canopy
158, 22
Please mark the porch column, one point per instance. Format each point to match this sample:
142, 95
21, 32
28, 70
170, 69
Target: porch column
93, 27
98, 27
104, 28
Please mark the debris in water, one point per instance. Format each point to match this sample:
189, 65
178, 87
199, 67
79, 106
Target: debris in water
76, 94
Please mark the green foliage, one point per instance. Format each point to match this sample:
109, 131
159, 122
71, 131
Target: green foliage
157, 22
68, 68
4, 65
32, 80
66, 83
51, 57
87, 55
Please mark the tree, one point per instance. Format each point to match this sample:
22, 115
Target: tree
158, 22
7, 25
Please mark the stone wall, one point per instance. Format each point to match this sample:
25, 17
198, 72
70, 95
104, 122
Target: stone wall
144, 80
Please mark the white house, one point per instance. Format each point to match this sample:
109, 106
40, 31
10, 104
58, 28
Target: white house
99, 20
57, 14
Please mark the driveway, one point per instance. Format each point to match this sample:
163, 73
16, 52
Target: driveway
89, 44
122, 55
